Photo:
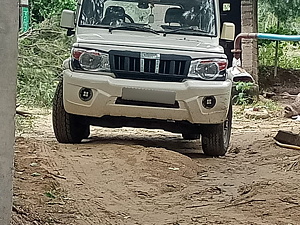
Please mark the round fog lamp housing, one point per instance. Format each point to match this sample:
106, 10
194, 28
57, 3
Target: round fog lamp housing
209, 102
85, 94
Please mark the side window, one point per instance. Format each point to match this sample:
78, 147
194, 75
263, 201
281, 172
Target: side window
92, 12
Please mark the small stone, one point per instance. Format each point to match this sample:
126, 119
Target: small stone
34, 164
235, 150
35, 174
257, 114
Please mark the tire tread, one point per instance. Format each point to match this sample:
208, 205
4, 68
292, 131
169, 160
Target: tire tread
65, 125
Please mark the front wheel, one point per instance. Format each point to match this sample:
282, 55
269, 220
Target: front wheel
216, 137
68, 128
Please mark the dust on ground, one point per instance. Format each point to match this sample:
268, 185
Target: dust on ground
139, 176
150, 177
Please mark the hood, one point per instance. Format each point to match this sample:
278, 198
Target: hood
104, 40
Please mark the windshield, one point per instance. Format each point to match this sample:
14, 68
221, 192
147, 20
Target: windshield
164, 16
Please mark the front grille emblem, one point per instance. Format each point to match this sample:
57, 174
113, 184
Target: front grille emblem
153, 56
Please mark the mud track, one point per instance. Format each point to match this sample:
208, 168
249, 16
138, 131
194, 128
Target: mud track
137, 176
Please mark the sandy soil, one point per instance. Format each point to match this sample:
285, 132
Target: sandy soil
150, 177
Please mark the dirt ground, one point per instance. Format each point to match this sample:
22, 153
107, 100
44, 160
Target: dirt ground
288, 80
150, 177
138, 176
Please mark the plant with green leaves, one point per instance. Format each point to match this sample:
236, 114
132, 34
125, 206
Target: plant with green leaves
41, 54
278, 17
46, 9
288, 54
243, 94
282, 10
268, 104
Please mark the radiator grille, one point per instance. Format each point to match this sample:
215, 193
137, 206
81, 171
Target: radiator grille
166, 67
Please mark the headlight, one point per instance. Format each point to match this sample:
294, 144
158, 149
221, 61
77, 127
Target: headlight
207, 69
90, 60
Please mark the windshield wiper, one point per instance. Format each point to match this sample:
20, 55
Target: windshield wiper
192, 28
134, 27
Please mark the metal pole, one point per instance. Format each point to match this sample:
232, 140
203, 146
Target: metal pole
8, 74
276, 59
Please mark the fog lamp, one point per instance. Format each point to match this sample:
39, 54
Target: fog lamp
209, 102
85, 94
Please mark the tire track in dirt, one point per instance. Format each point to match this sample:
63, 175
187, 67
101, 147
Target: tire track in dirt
125, 177
138, 176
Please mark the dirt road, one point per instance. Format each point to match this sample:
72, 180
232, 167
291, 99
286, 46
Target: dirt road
150, 177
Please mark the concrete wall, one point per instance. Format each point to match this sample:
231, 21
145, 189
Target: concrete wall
8, 71
249, 47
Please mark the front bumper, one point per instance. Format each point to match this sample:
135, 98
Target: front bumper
107, 91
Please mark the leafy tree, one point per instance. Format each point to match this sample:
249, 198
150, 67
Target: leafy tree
41, 53
44, 9
284, 12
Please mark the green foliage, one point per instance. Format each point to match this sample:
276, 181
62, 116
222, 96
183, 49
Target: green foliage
268, 104
41, 53
242, 94
284, 11
279, 17
45, 9
288, 53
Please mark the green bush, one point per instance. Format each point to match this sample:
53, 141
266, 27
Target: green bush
279, 17
42, 50
243, 93
41, 53
45, 9
288, 53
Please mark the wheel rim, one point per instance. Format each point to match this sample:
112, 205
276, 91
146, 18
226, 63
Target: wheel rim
227, 129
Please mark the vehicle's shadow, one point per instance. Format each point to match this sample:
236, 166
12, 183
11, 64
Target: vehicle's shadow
190, 148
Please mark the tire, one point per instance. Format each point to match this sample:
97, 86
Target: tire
190, 136
216, 137
68, 128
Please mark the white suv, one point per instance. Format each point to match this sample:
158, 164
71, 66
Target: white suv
145, 63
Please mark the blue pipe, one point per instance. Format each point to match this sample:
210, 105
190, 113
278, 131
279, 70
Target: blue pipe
278, 37
274, 37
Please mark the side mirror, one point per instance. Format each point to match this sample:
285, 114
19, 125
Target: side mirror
228, 31
67, 19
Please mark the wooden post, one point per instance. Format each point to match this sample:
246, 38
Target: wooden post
8, 74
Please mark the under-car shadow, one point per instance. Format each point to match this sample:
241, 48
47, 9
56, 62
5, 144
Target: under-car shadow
190, 148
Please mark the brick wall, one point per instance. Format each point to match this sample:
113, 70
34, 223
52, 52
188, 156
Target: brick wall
249, 47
